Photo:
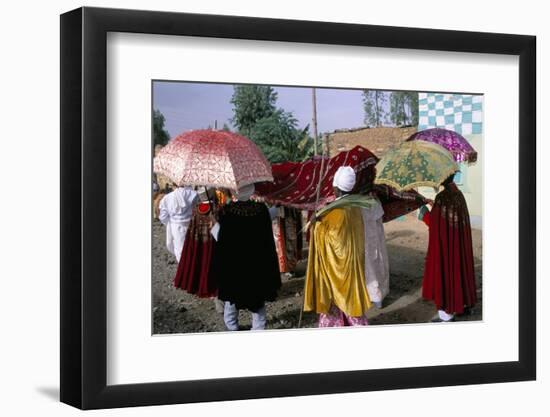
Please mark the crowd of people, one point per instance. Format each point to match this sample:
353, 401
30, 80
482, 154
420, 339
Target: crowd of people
233, 249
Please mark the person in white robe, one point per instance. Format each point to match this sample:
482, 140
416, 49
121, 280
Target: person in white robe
377, 270
175, 212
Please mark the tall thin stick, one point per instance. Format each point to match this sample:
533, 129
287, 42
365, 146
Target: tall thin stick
322, 173
314, 119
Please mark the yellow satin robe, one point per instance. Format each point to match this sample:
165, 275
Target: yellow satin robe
336, 264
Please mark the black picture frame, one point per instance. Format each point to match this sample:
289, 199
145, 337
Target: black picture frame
84, 207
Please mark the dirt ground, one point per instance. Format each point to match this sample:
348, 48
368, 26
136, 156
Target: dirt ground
175, 311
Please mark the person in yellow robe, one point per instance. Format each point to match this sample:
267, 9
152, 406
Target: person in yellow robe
335, 280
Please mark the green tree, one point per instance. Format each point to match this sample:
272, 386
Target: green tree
274, 130
413, 106
373, 104
160, 134
398, 114
280, 139
250, 104
404, 108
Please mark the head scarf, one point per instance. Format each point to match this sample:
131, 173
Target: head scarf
244, 193
344, 178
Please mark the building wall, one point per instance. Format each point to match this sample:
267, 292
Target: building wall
458, 112
464, 115
376, 139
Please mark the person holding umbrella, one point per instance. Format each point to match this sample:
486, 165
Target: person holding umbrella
245, 265
449, 277
193, 273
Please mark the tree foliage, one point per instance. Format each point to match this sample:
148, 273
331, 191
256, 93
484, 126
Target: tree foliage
404, 108
413, 103
398, 114
374, 106
280, 139
160, 134
250, 104
274, 130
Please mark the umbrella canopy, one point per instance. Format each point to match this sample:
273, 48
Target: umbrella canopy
212, 158
296, 183
414, 164
456, 144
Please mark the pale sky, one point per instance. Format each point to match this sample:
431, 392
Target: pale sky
189, 106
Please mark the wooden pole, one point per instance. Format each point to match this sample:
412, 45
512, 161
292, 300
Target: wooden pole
314, 120
322, 172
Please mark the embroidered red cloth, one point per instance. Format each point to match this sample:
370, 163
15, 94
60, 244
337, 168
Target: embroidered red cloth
295, 183
193, 273
396, 203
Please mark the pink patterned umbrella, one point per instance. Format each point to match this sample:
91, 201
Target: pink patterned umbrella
212, 158
459, 147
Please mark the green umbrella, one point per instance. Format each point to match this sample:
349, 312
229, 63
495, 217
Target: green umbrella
415, 164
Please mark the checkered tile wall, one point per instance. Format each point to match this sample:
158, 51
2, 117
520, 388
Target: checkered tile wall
461, 113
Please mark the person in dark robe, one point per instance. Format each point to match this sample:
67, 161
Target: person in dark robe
193, 273
245, 265
449, 277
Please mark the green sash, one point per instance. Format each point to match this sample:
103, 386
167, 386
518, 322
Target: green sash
349, 200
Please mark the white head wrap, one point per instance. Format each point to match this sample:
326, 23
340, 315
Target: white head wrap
244, 193
344, 178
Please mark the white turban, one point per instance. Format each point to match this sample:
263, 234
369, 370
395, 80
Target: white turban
344, 178
245, 192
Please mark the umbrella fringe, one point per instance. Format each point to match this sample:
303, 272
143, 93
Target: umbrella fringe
218, 185
412, 185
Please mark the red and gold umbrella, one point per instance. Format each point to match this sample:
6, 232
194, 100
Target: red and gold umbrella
212, 158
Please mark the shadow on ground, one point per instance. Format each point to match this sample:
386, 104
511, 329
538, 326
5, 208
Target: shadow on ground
175, 311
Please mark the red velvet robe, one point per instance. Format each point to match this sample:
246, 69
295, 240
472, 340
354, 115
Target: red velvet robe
449, 278
193, 273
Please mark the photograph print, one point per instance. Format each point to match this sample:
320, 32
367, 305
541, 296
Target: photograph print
283, 207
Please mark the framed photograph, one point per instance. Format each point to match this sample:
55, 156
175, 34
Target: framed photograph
257, 208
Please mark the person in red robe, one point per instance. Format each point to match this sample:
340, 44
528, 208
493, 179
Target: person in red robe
449, 277
193, 273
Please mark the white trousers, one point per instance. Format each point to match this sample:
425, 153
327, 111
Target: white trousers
175, 238
231, 317
445, 316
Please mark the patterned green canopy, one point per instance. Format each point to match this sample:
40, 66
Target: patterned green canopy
415, 164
